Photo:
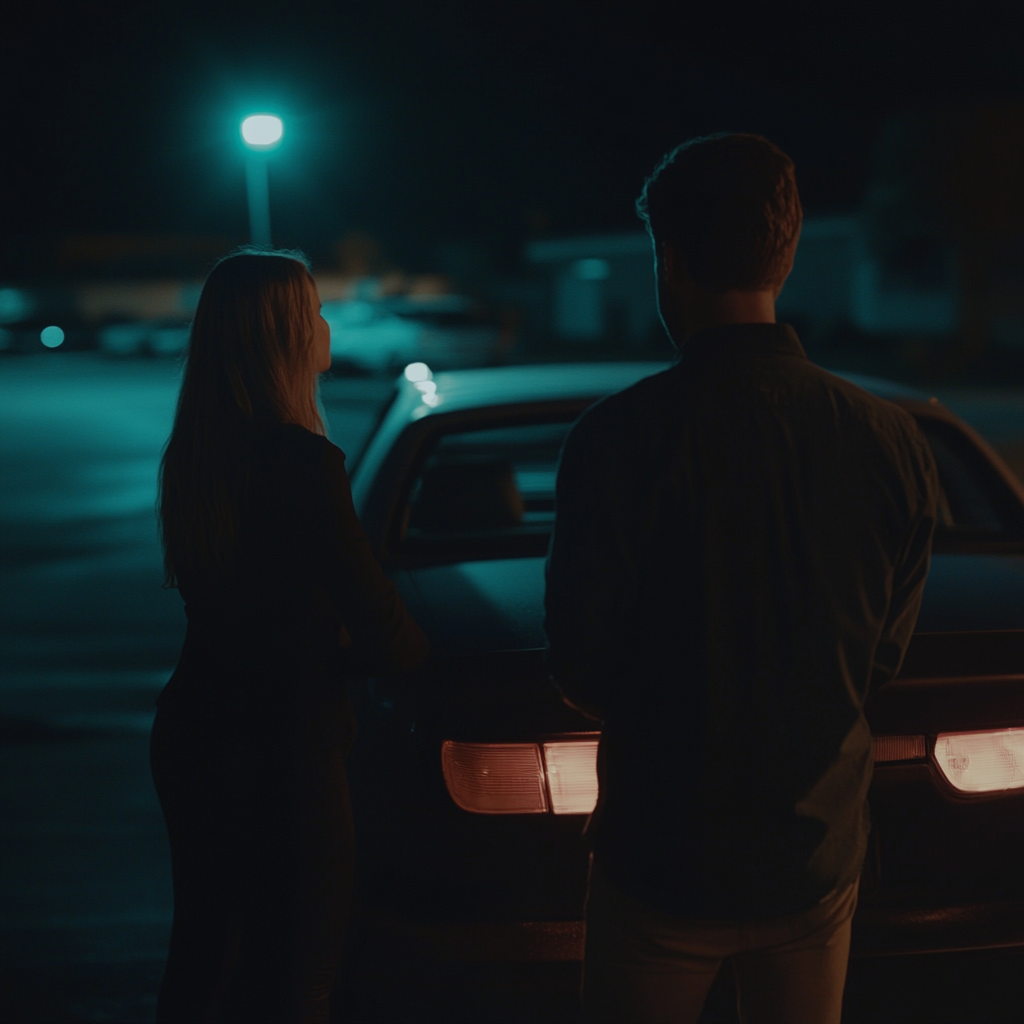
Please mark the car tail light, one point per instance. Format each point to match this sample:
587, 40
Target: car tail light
572, 775
515, 778
981, 762
495, 778
898, 748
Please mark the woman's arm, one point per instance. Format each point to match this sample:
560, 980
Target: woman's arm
385, 637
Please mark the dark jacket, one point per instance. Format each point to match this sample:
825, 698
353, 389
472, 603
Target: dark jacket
249, 744
740, 551
304, 585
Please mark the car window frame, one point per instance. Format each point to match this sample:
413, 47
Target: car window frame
998, 481
414, 441
389, 494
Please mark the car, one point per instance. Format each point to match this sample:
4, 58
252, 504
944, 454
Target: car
472, 781
378, 336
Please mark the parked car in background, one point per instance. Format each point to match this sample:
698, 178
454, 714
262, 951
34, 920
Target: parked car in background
472, 783
382, 335
166, 337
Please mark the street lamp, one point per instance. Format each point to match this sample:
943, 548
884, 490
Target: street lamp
261, 133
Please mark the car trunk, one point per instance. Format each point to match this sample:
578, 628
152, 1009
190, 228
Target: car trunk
931, 849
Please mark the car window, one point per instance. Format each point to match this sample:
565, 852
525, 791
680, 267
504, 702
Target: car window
491, 493
491, 488
975, 504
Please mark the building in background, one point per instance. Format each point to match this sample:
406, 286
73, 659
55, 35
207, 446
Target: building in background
926, 277
601, 288
844, 285
840, 281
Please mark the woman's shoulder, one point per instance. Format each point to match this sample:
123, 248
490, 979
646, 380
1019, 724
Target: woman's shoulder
297, 444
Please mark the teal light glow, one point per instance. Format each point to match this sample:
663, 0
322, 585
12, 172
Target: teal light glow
262, 131
592, 269
15, 305
51, 337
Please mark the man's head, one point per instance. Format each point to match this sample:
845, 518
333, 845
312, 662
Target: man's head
724, 215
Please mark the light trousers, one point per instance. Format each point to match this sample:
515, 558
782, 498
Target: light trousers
645, 967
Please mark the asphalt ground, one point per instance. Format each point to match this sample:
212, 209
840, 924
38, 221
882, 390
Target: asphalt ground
87, 638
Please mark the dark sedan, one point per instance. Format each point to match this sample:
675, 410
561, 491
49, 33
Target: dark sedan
472, 784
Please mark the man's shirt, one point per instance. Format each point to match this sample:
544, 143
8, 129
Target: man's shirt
739, 555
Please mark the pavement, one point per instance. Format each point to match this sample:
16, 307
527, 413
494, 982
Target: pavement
88, 636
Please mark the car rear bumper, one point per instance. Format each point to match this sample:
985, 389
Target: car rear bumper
877, 931
899, 930
477, 941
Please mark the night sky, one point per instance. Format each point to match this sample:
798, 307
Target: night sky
427, 124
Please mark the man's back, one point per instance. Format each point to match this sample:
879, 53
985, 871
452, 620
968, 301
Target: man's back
739, 556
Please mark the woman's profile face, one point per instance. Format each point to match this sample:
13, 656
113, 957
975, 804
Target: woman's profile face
321, 334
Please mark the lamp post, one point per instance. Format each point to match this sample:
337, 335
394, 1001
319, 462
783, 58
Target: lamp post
261, 133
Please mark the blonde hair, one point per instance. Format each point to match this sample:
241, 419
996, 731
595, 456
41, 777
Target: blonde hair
250, 365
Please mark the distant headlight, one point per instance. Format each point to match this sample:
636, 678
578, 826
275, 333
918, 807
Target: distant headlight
517, 778
981, 762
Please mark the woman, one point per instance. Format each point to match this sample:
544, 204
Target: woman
283, 598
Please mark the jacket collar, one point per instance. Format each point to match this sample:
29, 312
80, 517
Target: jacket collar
732, 341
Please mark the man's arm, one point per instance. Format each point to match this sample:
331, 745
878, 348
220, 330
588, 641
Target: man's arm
910, 573
590, 577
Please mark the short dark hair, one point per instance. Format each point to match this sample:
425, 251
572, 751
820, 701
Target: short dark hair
729, 205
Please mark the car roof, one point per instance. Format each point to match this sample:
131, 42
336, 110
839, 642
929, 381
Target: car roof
507, 385
458, 390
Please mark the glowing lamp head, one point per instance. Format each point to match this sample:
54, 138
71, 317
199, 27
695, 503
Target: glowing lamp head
262, 131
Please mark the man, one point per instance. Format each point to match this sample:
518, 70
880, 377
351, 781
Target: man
741, 546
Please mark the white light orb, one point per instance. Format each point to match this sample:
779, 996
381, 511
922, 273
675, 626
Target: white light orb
262, 131
417, 372
51, 337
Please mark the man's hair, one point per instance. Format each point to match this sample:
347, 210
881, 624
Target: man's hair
729, 206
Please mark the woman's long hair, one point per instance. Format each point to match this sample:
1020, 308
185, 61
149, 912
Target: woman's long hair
250, 365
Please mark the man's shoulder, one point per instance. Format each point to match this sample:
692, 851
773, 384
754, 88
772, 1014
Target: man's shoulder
888, 434
627, 413
854, 402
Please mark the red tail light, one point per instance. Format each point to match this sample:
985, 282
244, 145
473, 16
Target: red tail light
495, 778
898, 748
515, 778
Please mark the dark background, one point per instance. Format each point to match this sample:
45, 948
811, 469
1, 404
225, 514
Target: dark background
425, 124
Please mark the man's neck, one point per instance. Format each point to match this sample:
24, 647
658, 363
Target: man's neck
704, 309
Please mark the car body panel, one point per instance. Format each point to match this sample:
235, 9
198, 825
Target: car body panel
499, 604
973, 592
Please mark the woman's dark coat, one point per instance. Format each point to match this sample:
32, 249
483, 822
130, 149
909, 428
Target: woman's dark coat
251, 736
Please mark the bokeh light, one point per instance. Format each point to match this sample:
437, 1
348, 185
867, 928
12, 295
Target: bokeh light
51, 337
418, 372
592, 269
